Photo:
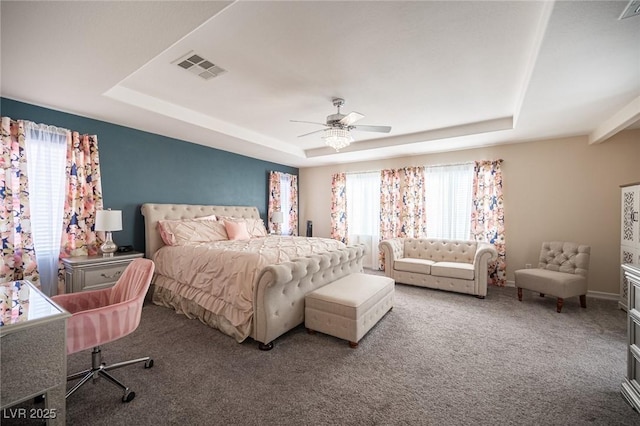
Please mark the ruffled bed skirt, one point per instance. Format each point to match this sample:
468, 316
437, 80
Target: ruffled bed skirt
163, 296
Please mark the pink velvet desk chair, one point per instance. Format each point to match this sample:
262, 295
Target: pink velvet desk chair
102, 316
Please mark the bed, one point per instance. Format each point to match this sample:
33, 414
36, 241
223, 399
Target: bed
247, 288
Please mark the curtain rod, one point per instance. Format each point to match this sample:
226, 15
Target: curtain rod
463, 163
436, 165
45, 127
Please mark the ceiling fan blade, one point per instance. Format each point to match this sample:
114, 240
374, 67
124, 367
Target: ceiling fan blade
310, 133
382, 129
308, 122
351, 118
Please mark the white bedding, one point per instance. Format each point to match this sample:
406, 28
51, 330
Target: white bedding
219, 276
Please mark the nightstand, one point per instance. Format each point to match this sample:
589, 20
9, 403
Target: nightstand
95, 272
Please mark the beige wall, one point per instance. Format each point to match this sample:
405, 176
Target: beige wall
561, 189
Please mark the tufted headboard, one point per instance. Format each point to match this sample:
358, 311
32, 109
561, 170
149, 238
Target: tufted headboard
154, 212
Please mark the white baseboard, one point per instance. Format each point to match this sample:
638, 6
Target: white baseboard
603, 295
594, 294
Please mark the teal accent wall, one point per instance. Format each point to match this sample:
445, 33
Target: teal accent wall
139, 167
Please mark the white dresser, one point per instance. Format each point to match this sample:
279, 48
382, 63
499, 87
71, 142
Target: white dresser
630, 386
630, 234
84, 273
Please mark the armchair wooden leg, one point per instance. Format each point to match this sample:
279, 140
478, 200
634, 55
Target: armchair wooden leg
559, 304
583, 300
519, 294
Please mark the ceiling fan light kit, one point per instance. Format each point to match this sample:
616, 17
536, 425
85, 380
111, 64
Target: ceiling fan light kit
337, 134
337, 138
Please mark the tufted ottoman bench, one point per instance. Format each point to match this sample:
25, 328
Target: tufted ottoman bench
349, 307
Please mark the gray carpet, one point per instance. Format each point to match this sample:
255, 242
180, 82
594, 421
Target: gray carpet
436, 358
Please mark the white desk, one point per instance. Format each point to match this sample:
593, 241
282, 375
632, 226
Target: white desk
33, 353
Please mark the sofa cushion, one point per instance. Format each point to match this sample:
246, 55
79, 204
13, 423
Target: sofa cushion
463, 271
559, 284
409, 264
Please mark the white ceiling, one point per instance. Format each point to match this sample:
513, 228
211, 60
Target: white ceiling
445, 75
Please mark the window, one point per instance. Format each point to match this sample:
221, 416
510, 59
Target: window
449, 201
442, 194
46, 148
363, 213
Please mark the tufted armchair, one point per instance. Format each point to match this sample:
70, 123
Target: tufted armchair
452, 265
561, 272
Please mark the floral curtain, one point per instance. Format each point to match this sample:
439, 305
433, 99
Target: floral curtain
18, 260
390, 204
83, 199
412, 208
274, 199
283, 196
402, 204
339, 207
487, 216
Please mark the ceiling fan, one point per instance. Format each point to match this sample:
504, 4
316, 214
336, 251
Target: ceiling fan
337, 131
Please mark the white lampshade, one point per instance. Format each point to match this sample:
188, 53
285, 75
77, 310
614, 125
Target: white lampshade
277, 217
108, 220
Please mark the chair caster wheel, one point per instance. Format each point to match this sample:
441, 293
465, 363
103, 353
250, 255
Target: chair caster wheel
128, 397
148, 364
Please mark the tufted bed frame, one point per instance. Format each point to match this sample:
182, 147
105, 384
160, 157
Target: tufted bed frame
279, 290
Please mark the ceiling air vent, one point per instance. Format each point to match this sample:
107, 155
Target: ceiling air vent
632, 9
199, 66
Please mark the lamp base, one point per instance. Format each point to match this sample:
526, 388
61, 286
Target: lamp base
108, 248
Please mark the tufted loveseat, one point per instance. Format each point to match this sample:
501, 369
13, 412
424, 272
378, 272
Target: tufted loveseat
452, 265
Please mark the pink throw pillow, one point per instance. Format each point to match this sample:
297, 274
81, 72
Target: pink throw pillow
237, 230
255, 227
167, 236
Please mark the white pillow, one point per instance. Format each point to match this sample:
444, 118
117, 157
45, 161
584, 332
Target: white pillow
187, 231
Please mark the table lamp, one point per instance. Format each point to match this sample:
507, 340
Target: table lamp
108, 221
277, 218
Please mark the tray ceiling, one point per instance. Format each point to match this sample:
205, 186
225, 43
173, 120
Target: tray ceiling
445, 75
